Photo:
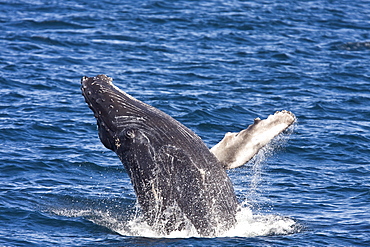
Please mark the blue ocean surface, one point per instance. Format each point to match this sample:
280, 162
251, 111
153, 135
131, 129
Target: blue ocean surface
214, 66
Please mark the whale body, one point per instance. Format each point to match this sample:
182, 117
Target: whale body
177, 179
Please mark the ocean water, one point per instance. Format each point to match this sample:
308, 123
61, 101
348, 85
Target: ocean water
212, 65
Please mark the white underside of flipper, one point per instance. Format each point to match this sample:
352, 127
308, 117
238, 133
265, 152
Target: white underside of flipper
236, 149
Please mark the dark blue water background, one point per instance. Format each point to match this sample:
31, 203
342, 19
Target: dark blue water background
214, 66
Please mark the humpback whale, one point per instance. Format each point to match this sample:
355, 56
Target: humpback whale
177, 179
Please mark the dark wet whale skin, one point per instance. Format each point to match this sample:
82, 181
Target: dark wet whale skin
174, 174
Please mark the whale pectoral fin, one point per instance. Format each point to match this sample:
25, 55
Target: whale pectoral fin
236, 149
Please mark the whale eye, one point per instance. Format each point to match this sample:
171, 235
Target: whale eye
130, 133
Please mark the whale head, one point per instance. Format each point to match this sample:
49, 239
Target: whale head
122, 120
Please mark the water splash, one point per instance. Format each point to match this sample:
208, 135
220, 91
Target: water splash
250, 221
248, 224
252, 197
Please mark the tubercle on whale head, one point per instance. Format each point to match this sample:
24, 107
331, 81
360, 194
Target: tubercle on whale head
115, 111
90, 95
106, 99
101, 97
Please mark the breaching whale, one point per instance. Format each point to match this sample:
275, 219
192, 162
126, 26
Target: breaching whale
177, 179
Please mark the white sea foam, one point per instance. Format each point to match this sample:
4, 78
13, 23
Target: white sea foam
249, 224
